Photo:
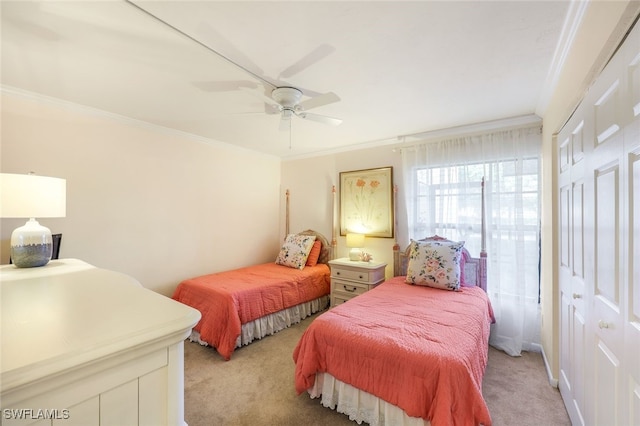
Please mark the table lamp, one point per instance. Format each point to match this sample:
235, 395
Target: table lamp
356, 242
31, 196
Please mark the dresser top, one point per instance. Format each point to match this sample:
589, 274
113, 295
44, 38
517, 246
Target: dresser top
344, 261
69, 312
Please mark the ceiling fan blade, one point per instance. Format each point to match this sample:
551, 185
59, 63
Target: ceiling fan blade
224, 86
311, 58
318, 101
320, 118
220, 45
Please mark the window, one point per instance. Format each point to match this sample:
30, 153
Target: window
448, 202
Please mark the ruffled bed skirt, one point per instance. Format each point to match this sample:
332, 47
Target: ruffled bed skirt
272, 323
359, 405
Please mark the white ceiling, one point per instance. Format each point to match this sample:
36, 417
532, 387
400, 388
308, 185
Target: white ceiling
399, 68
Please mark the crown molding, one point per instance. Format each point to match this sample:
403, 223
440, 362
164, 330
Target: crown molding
567, 36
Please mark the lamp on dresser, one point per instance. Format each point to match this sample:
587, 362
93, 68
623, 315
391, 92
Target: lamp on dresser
356, 243
31, 196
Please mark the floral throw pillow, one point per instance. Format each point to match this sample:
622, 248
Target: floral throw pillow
435, 264
295, 250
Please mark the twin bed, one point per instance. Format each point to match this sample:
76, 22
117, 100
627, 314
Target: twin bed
241, 305
411, 351
245, 304
403, 354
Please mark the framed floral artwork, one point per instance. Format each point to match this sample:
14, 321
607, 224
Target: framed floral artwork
366, 202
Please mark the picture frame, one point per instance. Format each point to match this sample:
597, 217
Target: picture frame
366, 202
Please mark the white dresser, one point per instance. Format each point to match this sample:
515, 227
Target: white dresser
88, 346
351, 278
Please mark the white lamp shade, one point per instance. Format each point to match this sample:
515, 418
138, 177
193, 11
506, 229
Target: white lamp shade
355, 240
27, 196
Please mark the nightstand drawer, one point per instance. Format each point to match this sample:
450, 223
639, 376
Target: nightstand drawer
339, 299
358, 275
350, 279
348, 287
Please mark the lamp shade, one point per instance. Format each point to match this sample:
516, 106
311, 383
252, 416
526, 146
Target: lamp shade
355, 240
32, 196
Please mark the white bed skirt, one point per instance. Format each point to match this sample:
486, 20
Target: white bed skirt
359, 405
272, 323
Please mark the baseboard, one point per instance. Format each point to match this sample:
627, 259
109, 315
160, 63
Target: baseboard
552, 380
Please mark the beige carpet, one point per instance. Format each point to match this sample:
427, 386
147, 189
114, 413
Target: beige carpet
256, 388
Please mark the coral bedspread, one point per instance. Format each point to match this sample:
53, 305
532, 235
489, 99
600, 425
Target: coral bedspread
229, 299
422, 349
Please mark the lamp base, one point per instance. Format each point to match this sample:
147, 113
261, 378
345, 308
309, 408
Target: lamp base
31, 245
354, 254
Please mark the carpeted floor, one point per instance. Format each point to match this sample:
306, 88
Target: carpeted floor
255, 388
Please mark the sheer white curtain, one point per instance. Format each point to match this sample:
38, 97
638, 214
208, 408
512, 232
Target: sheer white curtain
442, 180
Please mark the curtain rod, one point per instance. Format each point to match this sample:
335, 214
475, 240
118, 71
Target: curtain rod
522, 122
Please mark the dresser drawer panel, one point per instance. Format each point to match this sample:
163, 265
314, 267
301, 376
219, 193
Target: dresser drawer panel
361, 276
339, 299
348, 287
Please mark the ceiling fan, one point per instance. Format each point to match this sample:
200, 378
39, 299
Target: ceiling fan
283, 98
286, 101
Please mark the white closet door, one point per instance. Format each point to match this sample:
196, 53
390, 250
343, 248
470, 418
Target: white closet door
631, 230
573, 358
599, 208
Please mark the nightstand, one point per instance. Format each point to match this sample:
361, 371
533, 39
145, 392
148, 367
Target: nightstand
351, 278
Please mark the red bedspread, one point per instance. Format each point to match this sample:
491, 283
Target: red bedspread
422, 349
229, 299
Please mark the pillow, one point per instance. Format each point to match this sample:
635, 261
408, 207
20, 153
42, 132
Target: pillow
435, 264
295, 250
314, 254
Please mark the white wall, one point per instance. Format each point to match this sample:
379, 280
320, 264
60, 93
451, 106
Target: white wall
158, 205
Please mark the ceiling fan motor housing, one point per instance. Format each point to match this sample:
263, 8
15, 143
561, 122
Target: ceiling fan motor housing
288, 97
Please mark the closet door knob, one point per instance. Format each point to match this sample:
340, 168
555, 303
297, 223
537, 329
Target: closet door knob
603, 324
577, 296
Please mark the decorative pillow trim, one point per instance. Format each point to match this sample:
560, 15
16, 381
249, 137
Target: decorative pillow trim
295, 250
435, 264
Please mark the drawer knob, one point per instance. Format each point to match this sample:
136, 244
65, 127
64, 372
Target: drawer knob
361, 277
349, 289
338, 273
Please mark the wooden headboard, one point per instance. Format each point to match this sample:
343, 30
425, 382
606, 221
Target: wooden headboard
326, 253
475, 268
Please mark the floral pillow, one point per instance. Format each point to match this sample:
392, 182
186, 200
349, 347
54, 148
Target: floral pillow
435, 264
295, 250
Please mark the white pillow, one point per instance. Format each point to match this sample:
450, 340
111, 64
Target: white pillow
295, 250
435, 264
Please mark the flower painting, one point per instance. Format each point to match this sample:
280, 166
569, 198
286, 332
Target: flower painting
366, 202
